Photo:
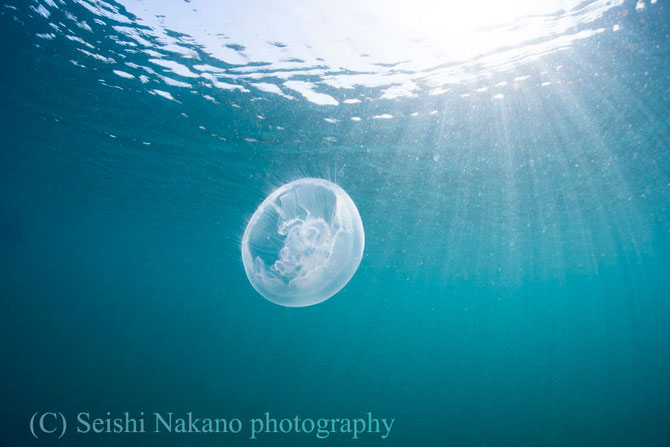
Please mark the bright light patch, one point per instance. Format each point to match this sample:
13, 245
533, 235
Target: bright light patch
402, 48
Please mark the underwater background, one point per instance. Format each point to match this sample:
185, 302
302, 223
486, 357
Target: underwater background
514, 186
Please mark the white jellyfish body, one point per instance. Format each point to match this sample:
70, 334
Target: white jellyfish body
303, 243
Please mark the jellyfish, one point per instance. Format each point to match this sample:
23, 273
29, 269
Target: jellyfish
304, 243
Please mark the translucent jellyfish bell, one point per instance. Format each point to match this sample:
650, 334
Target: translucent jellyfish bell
303, 243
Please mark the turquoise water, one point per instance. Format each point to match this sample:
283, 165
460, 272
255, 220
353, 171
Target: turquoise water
514, 285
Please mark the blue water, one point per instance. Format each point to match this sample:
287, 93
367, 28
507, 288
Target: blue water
514, 285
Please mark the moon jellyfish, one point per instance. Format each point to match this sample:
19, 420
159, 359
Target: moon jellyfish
303, 243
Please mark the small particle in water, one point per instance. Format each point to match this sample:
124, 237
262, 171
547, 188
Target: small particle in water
303, 244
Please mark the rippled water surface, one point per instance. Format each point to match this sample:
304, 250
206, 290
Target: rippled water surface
509, 161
